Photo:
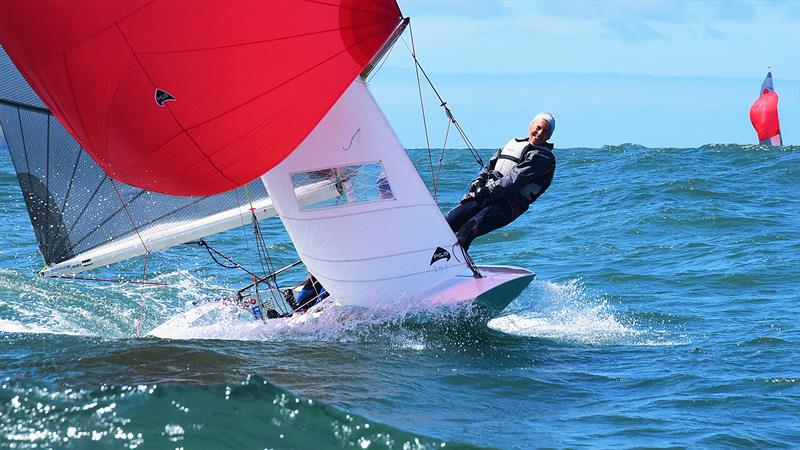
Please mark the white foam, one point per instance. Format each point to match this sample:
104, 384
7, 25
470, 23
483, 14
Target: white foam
568, 312
334, 322
12, 326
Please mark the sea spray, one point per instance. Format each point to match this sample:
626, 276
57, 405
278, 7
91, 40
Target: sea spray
568, 312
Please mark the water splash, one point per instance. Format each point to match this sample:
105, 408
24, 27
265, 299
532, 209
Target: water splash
403, 322
34, 305
13, 326
569, 312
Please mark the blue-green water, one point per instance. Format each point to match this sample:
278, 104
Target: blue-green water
664, 314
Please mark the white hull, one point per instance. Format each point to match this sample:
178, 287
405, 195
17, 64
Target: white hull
217, 320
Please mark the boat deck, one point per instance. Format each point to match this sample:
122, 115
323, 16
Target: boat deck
499, 286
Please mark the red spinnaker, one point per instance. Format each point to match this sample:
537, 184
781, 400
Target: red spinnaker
192, 97
764, 114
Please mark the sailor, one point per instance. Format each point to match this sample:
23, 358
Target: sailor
514, 178
310, 294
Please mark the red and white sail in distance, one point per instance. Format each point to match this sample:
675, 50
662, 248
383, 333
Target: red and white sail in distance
192, 97
764, 114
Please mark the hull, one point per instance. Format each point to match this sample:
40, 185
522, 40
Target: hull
489, 296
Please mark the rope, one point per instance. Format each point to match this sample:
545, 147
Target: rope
138, 324
255, 228
441, 155
263, 253
464, 192
422, 107
443, 104
245, 233
211, 252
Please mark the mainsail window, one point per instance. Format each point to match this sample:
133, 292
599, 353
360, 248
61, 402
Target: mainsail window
355, 184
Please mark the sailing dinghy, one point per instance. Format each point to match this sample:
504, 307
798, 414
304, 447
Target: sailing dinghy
764, 114
142, 132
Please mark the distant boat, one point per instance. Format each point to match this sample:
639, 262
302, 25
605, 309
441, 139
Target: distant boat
764, 114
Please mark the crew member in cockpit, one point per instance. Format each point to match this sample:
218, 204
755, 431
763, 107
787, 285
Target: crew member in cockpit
514, 178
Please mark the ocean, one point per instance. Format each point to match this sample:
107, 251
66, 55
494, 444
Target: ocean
664, 314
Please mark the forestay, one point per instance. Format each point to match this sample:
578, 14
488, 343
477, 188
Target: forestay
383, 237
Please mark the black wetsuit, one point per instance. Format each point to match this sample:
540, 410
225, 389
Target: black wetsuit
510, 195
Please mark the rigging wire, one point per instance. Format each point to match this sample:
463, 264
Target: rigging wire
441, 155
245, 233
140, 321
452, 120
443, 104
257, 233
422, 107
264, 256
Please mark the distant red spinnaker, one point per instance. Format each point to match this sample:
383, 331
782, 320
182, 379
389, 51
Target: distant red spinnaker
764, 114
192, 98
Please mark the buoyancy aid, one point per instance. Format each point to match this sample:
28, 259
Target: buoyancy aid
528, 181
510, 155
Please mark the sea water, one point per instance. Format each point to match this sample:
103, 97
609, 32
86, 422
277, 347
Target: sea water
664, 314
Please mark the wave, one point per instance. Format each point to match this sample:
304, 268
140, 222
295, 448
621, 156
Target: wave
251, 414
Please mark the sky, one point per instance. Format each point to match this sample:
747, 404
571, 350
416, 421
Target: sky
655, 73
670, 73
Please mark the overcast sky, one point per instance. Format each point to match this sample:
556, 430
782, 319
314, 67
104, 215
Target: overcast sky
657, 73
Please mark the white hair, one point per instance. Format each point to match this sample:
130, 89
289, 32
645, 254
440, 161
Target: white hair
547, 117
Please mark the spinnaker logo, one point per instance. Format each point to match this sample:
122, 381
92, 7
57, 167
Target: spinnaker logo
163, 96
438, 254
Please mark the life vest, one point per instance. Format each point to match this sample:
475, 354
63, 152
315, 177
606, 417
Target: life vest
510, 155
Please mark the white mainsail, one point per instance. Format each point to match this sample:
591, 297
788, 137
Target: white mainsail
384, 237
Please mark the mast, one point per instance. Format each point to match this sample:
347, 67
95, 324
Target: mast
398, 31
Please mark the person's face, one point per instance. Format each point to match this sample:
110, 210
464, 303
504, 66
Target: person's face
539, 132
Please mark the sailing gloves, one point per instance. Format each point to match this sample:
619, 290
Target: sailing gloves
477, 191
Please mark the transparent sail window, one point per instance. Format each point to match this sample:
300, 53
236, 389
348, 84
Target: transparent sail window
344, 185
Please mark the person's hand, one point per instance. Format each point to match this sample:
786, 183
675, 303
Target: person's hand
479, 195
477, 184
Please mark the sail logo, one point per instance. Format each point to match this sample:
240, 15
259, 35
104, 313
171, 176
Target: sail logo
438, 254
162, 97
